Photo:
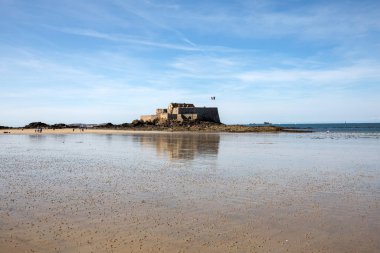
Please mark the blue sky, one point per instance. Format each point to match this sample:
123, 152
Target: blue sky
111, 61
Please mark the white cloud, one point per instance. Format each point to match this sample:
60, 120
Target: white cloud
239, 73
331, 76
37, 88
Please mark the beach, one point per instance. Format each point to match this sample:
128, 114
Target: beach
19, 131
147, 128
189, 192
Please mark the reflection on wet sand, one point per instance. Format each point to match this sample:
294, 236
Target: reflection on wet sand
35, 137
181, 146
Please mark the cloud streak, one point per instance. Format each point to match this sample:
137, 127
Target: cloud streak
349, 75
140, 41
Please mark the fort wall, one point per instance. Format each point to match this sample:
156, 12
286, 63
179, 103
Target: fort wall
148, 118
202, 113
182, 111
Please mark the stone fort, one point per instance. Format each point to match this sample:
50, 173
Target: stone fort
182, 111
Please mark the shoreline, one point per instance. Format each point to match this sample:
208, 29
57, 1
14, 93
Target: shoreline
214, 129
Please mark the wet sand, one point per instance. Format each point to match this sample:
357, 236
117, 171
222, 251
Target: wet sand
189, 193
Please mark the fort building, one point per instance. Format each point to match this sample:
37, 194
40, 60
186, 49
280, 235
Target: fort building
182, 111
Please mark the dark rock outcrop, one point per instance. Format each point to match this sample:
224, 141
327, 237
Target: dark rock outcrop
137, 122
59, 126
37, 125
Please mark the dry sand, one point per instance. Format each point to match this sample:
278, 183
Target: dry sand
70, 131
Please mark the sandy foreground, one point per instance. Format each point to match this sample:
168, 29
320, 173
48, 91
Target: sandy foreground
187, 193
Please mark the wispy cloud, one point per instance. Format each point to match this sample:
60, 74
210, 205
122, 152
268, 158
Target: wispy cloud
50, 86
127, 39
136, 40
351, 74
328, 21
241, 72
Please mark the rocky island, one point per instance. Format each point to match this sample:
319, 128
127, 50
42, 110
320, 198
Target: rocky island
187, 117
178, 117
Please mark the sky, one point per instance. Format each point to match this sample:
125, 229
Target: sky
97, 61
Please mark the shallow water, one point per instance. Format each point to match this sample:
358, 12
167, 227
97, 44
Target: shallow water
194, 192
338, 127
